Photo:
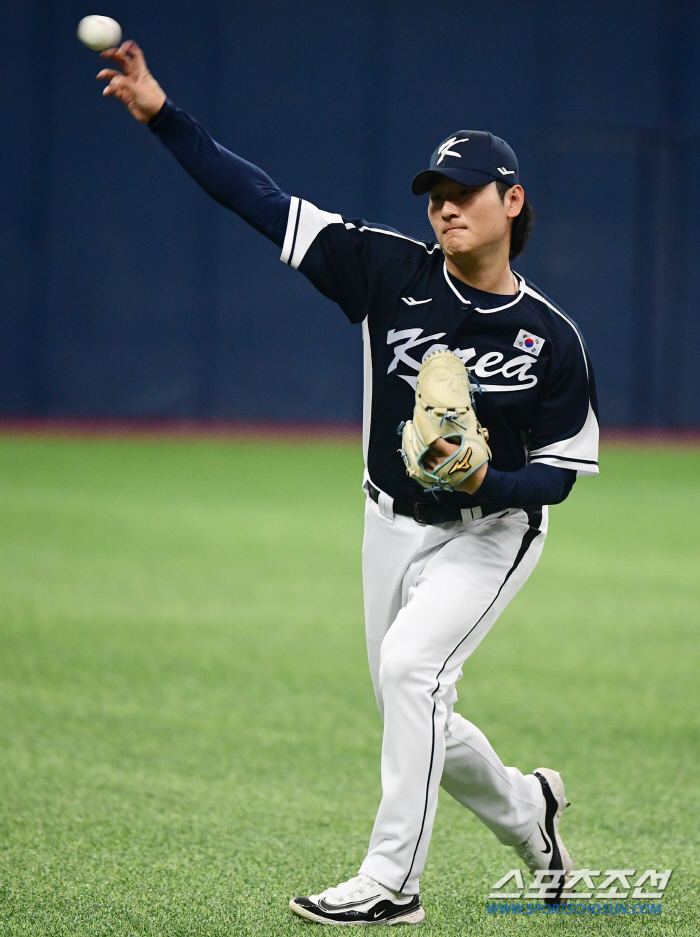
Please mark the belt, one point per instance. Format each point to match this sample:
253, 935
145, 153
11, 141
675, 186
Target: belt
428, 512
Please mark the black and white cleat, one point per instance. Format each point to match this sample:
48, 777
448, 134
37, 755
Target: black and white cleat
544, 850
360, 900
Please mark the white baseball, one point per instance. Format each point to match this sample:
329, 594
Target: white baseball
99, 32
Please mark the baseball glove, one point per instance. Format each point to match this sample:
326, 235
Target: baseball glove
444, 407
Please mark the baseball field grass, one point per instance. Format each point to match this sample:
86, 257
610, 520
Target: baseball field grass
189, 735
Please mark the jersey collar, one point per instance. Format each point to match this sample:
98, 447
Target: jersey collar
468, 302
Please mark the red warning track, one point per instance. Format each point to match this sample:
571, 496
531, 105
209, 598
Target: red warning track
78, 427
179, 429
651, 436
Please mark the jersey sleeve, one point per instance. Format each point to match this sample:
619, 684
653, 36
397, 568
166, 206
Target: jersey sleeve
565, 431
531, 486
233, 182
341, 257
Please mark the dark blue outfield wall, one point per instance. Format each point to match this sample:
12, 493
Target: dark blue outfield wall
126, 292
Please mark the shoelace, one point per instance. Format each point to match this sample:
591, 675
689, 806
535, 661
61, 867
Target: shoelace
347, 890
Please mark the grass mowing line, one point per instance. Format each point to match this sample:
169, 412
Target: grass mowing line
189, 731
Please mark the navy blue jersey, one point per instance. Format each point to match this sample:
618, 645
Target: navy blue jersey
538, 398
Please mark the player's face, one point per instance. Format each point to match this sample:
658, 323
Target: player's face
472, 220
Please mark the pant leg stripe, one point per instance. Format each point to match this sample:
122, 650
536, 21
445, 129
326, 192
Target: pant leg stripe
534, 522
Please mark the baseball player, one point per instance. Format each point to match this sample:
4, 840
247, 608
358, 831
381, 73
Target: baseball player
454, 524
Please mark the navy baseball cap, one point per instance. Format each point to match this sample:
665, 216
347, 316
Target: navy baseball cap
472, 157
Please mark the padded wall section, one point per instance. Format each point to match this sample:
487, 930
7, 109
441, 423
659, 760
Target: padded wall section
127, 292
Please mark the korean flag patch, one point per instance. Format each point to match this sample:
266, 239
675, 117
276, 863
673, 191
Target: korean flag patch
528, 342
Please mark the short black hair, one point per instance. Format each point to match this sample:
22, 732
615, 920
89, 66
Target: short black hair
522, 223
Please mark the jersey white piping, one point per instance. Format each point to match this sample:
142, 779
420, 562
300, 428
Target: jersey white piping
367, 388
587, 438
290, 233
579, 452
528, 289
582, 467
467, 302
393, 234
451, 285
304, 223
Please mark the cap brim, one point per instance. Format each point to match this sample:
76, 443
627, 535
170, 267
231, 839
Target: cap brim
425, 180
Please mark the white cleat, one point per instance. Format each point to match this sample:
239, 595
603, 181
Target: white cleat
545, 849
360, 900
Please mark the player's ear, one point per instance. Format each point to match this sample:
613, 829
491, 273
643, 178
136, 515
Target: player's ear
514, 200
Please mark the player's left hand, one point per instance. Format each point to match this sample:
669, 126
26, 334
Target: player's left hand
444, 428
135, 86
439, 451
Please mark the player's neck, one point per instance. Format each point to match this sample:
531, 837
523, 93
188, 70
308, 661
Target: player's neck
492, 274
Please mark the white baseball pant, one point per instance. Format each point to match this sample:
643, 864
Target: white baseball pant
431, 594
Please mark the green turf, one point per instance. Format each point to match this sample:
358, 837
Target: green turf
188, 730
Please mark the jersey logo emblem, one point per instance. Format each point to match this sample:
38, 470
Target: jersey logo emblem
413, 340
528, 342
444, 148
463, 465
410, 301
491, 364
506, 172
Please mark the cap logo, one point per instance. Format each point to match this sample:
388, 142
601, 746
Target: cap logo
444, 148
506, 172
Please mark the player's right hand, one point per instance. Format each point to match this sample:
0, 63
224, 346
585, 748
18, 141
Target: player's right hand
134, 86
